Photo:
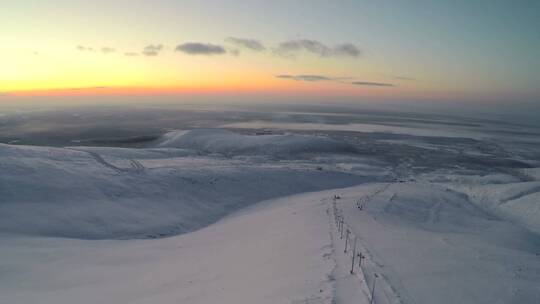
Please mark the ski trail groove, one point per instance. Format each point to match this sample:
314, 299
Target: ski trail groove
136, 165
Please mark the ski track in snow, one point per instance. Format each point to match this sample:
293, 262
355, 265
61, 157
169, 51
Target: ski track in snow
136, 166
102, 161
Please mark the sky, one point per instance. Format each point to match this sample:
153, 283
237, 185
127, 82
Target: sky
433, 50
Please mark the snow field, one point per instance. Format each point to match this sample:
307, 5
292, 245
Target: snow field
276, 252
102, 193
232, 144
432, 245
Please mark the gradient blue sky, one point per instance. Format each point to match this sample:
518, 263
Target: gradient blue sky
485, 50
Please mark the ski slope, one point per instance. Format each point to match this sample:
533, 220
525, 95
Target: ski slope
278, 251
288, 250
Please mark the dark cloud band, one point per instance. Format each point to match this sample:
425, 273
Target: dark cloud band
290, 47
195, 48
252, 44
313, 78
305, 77
373, 84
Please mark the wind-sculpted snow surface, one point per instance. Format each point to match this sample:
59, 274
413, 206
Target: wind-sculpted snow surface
230, 143
516, 201
94, 193
514, 196
276, 252
432, 245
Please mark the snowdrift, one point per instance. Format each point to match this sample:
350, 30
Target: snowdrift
518, 202
229, 143
514, 197
432, 245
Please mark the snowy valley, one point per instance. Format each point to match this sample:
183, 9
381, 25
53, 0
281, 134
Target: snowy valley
241, 208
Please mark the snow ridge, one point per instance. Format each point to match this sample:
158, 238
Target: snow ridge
229, 143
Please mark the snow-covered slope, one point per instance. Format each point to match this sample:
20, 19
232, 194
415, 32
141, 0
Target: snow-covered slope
434, 246
122, 193
277, 252
445, 235
427, 245
230, 143
518, 202
514, 197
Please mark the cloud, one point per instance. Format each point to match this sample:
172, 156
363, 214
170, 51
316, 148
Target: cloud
313, 77
305, 77
344, 80
347, 49
287, 48
196, 48
290, 47
84, 48
84, 88
373, 84
403, 78
152, 49
131, 54
252, 44
104, 50
107, 50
